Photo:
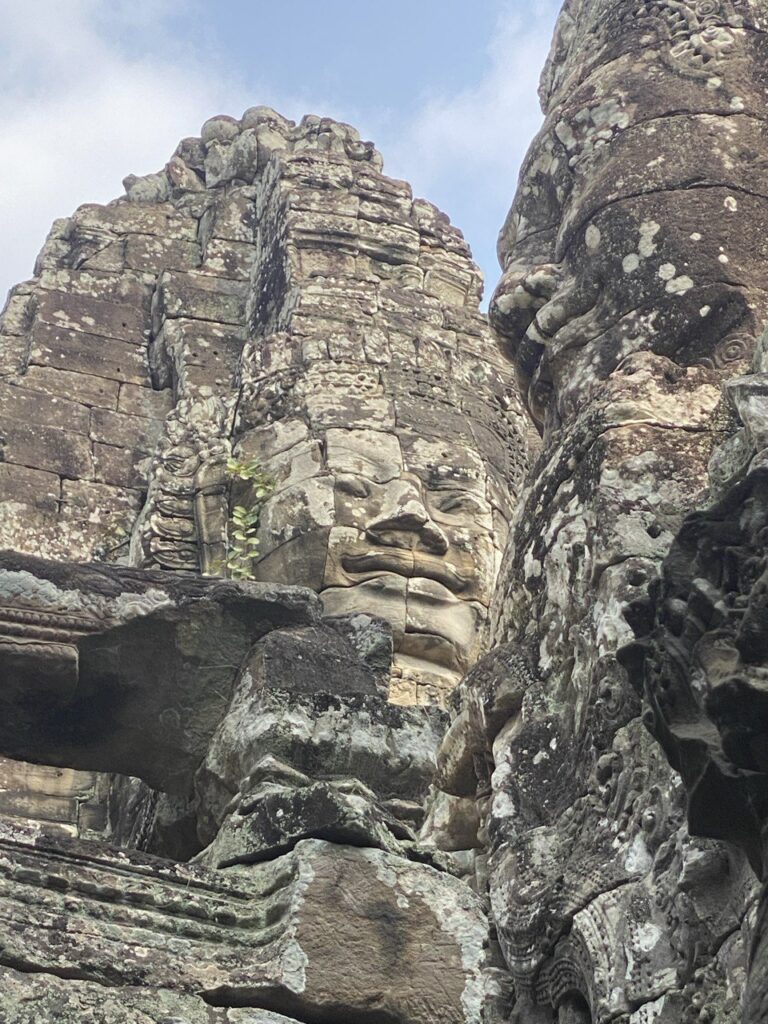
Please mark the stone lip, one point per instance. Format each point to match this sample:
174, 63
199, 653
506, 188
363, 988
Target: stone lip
126, 670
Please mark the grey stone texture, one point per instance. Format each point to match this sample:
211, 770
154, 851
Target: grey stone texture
274, 295
147, 940
484, 740
269, 296
622, 308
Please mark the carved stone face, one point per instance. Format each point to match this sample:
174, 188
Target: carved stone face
641, 219
391, 500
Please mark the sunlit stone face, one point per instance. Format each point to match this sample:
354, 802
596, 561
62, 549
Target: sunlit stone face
393, 494
641, 219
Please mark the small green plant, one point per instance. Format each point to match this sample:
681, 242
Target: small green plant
242, 542
115, 537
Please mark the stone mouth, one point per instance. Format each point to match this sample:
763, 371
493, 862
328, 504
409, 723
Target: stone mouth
410, 564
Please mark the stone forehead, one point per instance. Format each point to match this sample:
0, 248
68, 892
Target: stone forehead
681, 36
402, 401
289, 455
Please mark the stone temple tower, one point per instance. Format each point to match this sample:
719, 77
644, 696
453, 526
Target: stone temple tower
365, 659
269, 327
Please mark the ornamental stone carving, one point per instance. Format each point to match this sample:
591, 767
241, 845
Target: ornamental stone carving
622, 309
640, 221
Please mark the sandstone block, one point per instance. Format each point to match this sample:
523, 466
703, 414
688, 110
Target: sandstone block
47, 448
79, 387
120, 467
198, 297
32, 407
231, 218
143, 926
97, 498
187, 636
124, 430
29, 486
153, 254
147, 219
146, 402
14, 352
373, 454
16, 315
104, 317
88, 354
227, 259
45, 999
122, 289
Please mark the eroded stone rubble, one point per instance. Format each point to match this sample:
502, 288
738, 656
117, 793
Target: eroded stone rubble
484, 740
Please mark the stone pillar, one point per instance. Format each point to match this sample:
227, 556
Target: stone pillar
634, 285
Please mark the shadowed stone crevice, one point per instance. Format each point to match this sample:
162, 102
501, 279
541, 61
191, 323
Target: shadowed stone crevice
299, 1011
63, 973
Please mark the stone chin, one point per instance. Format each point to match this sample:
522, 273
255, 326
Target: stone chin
435, 632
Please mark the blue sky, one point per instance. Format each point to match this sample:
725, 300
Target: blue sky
92, 90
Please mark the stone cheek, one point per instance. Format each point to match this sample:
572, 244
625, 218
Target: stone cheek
634, 212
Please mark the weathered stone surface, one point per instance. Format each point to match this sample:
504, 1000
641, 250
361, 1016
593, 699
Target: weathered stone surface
383, 751
646, 176
699, 658
360, 306
124, 430
32, 999
119, 467
311, 660
81, 387
619, 306
22, 485
198, 297
271, 295
92, 355
256, 937
44, 447
72, 694
19, 403
74, 802
80, 313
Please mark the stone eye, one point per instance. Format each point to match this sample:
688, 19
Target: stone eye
355, 486
458, 503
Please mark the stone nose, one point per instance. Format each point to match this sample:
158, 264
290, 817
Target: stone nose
407, 524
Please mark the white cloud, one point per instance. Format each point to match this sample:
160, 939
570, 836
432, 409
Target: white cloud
487, 127
79, 112
92, 90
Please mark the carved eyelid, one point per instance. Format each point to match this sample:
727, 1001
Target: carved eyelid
355, 486
453, 500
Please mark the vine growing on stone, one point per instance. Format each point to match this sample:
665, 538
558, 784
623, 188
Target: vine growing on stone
242, 541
